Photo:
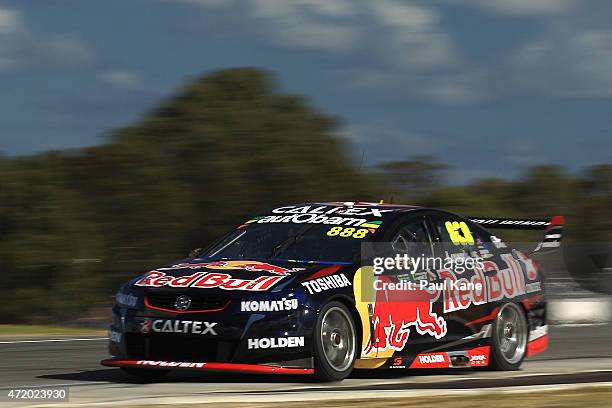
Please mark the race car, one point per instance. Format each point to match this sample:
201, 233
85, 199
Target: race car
323, 288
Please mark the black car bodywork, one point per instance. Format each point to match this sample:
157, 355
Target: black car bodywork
252, 304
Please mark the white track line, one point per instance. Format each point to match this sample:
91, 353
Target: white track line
196, 398
53, 340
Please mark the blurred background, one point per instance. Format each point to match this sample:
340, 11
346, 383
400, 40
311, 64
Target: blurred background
133, 132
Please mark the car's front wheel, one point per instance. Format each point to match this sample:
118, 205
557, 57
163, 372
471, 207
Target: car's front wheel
335, 343
509, 338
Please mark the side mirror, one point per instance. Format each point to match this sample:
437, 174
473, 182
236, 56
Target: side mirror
194, 253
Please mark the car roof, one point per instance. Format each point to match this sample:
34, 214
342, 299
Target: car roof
394, 207
390, 210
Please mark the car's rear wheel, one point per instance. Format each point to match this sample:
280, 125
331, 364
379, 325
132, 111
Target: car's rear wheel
150, 374
509, 338
335, 343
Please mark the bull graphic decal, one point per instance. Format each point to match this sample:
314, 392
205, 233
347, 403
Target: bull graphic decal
394, 312
251, 266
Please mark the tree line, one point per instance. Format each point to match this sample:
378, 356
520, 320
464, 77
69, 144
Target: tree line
75, 224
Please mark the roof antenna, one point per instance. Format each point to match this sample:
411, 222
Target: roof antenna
362, 160
360, 168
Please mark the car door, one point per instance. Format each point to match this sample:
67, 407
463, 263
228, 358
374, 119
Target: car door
403, 311
463, 297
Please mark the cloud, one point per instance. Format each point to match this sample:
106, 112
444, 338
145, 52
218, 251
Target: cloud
123, 79
408, 35
392, 44
410, 49
415, 38
411, 16
276, 8
567, 58
566, 62
206, 3
386, 40
310, 24
365, 140
460, 88
20, 49
402, 33
520, 7
9, 21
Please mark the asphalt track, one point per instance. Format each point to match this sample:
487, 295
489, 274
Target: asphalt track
577, 355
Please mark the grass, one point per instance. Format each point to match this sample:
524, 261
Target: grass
24, 330
584, 397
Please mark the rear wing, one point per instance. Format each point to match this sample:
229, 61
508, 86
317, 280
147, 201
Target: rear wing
553, 229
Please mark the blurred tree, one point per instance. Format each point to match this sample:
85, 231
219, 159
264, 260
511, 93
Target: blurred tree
231, 137
77, 223
415, 178
593, 205
544, 190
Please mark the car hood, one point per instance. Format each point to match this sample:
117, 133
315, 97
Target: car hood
235, 275
241, 267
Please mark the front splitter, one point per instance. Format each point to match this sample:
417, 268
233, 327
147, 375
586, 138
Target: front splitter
206, 366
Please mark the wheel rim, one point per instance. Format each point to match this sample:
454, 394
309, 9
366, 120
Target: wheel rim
511, 333
338, 339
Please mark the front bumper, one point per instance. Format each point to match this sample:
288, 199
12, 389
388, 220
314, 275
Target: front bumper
227, 340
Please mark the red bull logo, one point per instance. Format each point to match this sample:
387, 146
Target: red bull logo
252, 266
402, 306
395, 312
496, 284
203, 280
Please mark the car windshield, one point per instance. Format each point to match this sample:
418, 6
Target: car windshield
290, 241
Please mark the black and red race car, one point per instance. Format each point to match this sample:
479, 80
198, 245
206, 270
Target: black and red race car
323, 288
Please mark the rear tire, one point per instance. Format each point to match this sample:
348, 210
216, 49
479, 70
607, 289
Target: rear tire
145, 373
335, 343
509, 338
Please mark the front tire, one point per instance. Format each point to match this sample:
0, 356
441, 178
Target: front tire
509, 338
335, 343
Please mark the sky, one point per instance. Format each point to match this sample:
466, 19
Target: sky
489, 87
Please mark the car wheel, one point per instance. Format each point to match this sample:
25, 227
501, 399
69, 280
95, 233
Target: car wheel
335, 343
145, 373
509, 338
